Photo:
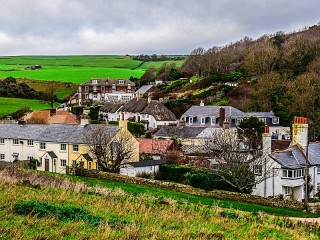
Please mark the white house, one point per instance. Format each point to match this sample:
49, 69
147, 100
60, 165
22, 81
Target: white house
150, 113
144, 167
285, 169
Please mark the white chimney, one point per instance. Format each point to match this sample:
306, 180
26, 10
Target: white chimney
201, 103
266, 141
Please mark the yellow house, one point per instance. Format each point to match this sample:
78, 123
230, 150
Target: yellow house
79, 153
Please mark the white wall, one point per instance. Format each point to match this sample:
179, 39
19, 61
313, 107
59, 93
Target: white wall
131, 171
8, 148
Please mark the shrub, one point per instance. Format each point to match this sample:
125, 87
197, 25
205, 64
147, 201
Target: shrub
62, 212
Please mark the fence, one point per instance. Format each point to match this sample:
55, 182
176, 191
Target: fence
15, 164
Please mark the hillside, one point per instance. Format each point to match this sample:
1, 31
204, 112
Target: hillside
278, 72
102, 213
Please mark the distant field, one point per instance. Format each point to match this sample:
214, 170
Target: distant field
10, 105
75, 69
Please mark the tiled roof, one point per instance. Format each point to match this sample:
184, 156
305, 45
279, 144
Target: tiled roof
60, 116
261, 114
64, 133
154, 146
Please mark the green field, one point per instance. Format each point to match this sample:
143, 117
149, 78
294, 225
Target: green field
10, 105
125, 216
75, 69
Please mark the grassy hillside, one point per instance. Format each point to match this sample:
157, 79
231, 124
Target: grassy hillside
10, 105
75, 69
125, 216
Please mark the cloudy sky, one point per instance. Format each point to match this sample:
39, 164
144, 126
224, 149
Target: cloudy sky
60, 27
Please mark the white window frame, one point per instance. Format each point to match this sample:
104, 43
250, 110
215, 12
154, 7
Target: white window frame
287, 191
42, 146
86, 96
203, 121
75, 146
29, 157
89, 165
190, 120
63, 162
86, 88
65, 147
257, 169
2, 156
318, 169
121, 81
1, 140
213, 121
30, 142
15, 141
102, 89
94, 81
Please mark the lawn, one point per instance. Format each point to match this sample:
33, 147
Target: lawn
10, 105
127, 216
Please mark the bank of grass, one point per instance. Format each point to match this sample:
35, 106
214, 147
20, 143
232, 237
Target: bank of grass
135, 189
135, 217
10, 105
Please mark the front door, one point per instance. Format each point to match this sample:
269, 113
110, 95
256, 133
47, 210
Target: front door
46, 164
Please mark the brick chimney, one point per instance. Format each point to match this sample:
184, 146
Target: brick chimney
300, 132
123, 123
222, 116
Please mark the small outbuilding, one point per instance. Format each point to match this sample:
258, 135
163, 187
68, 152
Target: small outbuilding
134, 169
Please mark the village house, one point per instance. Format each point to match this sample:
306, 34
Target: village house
288, 166
214, 116
51, 116
147, 90
56, 146
151, 113
98, 90
135, 169
156, 148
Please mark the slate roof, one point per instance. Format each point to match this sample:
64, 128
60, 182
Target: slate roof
87, 157
261, 114
294, 156
64, 133
208, 111
147, 163
143, 89
52, 154
179, 132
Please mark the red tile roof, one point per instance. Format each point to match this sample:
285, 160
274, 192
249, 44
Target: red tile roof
61, 116
154, 146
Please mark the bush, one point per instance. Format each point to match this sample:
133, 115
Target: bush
62, 212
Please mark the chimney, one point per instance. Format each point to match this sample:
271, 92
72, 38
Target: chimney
123, 123
266, 140
300, 132
226, 124
149, 99
84, 120
201, 103
222, 116
53, 111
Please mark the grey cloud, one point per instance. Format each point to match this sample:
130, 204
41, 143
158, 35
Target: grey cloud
142, 26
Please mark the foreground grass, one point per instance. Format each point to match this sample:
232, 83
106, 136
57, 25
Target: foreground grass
144, 217
10, 105
135, 189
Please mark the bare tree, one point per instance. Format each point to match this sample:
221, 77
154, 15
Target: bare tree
109, 149
237, 162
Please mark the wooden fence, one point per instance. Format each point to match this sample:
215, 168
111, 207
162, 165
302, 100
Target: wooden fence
15, 164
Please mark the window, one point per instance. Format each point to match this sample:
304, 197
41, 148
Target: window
263, 120
54, 162
2, 156
121, 81
89, 165
190, 120
102, 88
1, 140
94, 81
63, 162
94, 88
75, 148
297, 173
213, 121
15, 141
29, 158
86, 88
257, 169
318, 169
129, 86
87, 96
203, 120
275, 120
318, 187
287, 191
74, 163
94, 95
30, 142
42, 146
238, 121
63, 147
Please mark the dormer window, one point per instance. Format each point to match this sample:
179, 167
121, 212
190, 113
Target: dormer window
275, 120
121, 81
129, 86
190, 120
213, 121
113, 86
94, 81
203, 121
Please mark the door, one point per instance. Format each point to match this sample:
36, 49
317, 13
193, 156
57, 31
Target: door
46, 164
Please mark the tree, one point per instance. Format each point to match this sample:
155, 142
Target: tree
137, 129
108, 149
236, 162
49, 96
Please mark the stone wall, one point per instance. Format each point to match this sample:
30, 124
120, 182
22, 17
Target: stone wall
241, 197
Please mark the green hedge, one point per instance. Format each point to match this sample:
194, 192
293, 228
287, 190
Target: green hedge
197, 177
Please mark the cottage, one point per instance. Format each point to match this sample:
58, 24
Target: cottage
147, 89
51, 116
156, 148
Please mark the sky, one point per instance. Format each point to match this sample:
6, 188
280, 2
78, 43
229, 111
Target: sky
78, 27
